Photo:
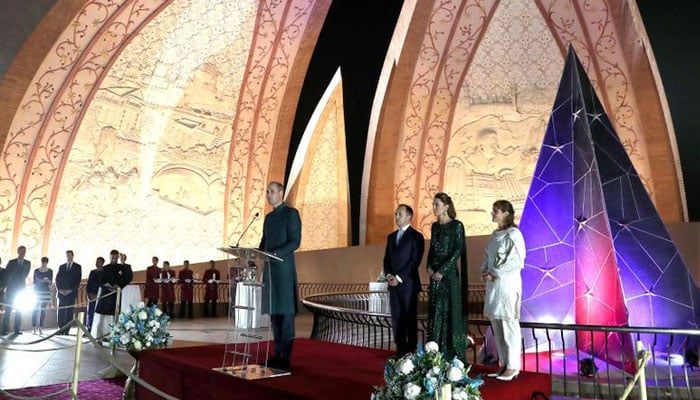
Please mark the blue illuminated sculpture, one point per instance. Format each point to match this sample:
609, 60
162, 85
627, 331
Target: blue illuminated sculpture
598, 252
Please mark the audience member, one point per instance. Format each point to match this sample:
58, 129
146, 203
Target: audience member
42, 280
16, 275
92, 287
67, 284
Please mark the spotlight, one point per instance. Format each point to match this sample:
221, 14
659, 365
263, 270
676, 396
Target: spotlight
691, 358
24, 300
587, 367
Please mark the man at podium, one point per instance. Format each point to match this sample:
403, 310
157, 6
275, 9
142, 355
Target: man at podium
281, 237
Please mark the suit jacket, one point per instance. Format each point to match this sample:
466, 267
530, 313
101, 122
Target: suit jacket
69, 280
403, 259
93, 282
16, 277
115, 275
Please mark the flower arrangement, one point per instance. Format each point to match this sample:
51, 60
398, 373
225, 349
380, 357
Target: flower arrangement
141, 328
381, 277
425, 374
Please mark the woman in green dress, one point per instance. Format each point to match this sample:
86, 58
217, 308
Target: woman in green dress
445, 320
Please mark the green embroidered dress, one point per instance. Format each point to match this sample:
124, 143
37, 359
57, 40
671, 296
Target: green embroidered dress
445, 320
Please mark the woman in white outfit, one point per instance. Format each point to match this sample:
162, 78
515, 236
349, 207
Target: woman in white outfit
505, 258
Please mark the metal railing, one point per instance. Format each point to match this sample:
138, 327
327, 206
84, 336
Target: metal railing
363, 319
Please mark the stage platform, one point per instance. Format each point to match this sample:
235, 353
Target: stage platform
320, 371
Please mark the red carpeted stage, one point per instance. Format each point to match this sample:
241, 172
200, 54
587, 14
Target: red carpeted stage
320, 370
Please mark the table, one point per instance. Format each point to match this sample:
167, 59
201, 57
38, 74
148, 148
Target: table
379, 302
250, 296
131, 294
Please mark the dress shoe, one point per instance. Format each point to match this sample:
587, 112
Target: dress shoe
18, 332
273, 362
284, 365
496, 374
509, 376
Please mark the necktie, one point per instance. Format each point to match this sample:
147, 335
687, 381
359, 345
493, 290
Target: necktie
399, 234
69, 265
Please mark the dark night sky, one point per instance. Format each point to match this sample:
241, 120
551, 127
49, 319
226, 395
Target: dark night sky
356, 35
674, 33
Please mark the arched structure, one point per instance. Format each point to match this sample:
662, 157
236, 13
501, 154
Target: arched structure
154, 125
122, 136
468, 100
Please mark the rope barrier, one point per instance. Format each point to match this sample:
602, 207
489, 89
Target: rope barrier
75, 305
107, 356
33, 342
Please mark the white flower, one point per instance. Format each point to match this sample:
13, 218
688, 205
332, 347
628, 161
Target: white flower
455, 374
137, 345
406, 366
143, 315
435, 371
124, 339
141, 304
157, 312
431, 347
411, 391
460, 394
456, 362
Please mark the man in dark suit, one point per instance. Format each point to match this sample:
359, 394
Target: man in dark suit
113, 275
281, 237
402, 258
16, 275
67, 283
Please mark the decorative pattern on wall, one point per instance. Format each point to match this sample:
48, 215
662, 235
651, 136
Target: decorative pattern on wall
501, 114
452, 34
321, 190
152, 148
597, 39
280, 29
50, 112
452, 125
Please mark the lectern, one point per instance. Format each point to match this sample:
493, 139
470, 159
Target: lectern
249, 335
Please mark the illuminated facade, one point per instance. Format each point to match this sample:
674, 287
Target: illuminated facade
153, 126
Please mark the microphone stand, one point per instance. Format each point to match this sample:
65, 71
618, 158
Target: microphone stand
257, 214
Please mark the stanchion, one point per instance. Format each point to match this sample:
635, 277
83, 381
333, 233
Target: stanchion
117, 310
78, 353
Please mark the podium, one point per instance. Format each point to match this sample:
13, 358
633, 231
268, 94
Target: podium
250, 332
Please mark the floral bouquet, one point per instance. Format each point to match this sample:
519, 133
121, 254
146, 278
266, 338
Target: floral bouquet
141, 328
427, 375
381, 277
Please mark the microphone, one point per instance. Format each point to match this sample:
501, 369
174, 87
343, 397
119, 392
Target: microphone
257, 214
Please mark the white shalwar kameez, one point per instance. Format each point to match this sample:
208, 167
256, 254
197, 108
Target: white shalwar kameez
505, 258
